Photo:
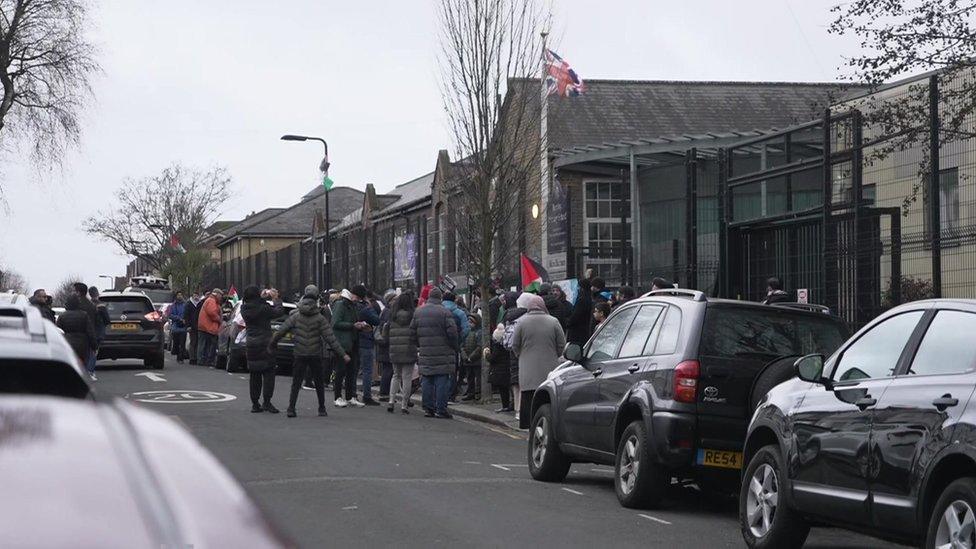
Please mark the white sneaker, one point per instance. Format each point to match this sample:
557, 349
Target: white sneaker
93, 377
355, 402
341, 403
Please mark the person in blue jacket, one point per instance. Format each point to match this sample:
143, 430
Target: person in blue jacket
463, 327
369, 313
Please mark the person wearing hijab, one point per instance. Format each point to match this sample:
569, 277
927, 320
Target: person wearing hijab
538, 342
257, 314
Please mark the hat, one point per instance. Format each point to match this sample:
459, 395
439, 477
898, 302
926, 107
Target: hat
311, 291
360, 291
435, 293
544, 289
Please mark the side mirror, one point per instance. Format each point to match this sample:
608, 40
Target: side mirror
573, 353
810, 369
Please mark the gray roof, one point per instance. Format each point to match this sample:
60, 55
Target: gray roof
297, 220
612, 111
403, 195
250, 221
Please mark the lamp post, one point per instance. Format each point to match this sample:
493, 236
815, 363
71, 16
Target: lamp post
324, 168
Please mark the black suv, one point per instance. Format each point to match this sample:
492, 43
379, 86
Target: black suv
665, 388
879, 437
136, 328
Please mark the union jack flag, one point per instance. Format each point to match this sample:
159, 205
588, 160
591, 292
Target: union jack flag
561, 78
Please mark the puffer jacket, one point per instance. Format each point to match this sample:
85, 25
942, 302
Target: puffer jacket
79, 331
435, 333
310, 330
257, 316
459, 317
557, 309
345, 314
402, 348
383, 343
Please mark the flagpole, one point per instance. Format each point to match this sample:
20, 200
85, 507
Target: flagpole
544, 153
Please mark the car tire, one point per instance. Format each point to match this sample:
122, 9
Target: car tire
960, 496
777, 372
546, 461
155, 361
779, 526
221, 363
639, 483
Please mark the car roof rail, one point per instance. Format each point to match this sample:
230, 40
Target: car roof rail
812, 307
679, 292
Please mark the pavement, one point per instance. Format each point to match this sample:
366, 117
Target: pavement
366, 478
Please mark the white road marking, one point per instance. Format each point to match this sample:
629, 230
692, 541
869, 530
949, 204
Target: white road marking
459, 480
152, 376
502, 467
350, 508
601, 470
513, 465
571, 491
473, 462
655, 519
241, 377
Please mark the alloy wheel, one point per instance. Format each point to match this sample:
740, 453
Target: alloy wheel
762, 499
957, 527
629, 464
540, 439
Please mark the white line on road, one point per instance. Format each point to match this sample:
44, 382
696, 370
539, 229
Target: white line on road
473, 462
465, 480
502, 467
571, 491
152, 376
513, 465
655, 519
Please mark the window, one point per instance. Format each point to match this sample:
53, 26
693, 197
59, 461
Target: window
948, 204
605, 343
756, 333
636, 339
131, 307
947, 347
605, 203
667, 341
875, 354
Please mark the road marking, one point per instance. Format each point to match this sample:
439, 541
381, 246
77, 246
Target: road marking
152, 376
513, 465
473, 462
180, 396
453, 480
655, 519
350, 508
502, 467
241, 377
601, 470
483, 425
571, 491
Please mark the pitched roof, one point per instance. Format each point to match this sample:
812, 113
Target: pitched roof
616, 110
250, 221
403, 195
297, 220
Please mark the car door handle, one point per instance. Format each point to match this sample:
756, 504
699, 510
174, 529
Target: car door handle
865, 402
945, 401
633, 368
597, 372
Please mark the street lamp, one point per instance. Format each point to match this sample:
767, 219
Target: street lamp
324, 168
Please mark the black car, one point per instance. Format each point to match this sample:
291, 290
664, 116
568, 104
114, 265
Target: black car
878, 438
665, 388
136, 328
236, 359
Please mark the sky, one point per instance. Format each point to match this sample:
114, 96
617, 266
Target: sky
217, 83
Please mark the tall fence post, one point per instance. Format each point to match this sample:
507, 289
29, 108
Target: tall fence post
723, 225
857, 172
691, 223
826, 238
935, 217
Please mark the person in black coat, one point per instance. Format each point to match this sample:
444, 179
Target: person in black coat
190, 315
257, 316
78, 328
40, 300
578, 326
383, 346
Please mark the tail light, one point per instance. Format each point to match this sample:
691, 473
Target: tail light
154, 316
686, 381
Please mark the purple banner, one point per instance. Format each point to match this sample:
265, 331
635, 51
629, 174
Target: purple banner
405, 256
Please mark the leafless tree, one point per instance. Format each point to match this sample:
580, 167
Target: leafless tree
903, 37
64, 289
12, 280
46, 67
490, 49
179, 201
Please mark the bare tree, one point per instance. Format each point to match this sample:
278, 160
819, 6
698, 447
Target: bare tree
179, 202
64, 289
46, 66
11, 280
489, 49
903, 37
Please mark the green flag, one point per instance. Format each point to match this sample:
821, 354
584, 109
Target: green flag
326, 182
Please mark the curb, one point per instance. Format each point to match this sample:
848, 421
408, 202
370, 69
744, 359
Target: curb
472, 413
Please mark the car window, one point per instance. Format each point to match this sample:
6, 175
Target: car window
947, 347
41, 377
606, 341
763, 334
667, 339
639, 331
117, 307
875, 354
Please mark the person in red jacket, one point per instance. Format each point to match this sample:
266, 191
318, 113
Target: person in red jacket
208, 325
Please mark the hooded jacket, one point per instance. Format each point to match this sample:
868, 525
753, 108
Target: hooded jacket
209, 319
435, 333
403, 350
538, 341
310, 330
459, 317
78, 329
177, 317
345, 314
558, 308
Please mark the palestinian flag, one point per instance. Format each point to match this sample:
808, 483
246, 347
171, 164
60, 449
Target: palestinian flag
232, 295
174, 242
533, 275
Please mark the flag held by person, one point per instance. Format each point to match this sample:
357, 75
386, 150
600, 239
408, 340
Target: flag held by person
533, 275
561, 79
232, 295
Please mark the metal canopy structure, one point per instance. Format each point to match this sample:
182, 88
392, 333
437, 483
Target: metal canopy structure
643, 151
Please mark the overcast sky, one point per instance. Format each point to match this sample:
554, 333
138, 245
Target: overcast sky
218, 82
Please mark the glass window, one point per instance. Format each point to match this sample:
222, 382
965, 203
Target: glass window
667, 341
131, 307
947, 347
875, 354
763, 334
606, 341
948, 203
636, 338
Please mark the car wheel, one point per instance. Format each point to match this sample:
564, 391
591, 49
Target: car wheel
546, 461
638, 481
221, 362
156, 361
953, 520
774, 374
765, 517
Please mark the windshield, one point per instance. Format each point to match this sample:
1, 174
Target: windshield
126, 306
158, 296
758, 333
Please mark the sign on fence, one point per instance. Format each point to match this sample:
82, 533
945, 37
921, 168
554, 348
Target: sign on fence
405, 256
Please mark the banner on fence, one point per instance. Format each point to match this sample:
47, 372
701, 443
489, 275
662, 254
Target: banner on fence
405, 256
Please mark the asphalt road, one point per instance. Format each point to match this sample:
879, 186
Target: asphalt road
366, 478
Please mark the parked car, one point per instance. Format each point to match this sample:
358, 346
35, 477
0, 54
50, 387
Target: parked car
665, 388
116, 475
35, 358
878, 437
234, 342
136, 328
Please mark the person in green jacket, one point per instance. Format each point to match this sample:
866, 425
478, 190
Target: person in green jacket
346, 325
311, 331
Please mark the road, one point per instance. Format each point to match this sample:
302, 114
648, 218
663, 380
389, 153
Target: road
366, 478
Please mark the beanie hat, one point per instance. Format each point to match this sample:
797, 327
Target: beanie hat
311, 291
435, 293
360, 291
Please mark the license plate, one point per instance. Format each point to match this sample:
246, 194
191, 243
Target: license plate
720, 458
125, 326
